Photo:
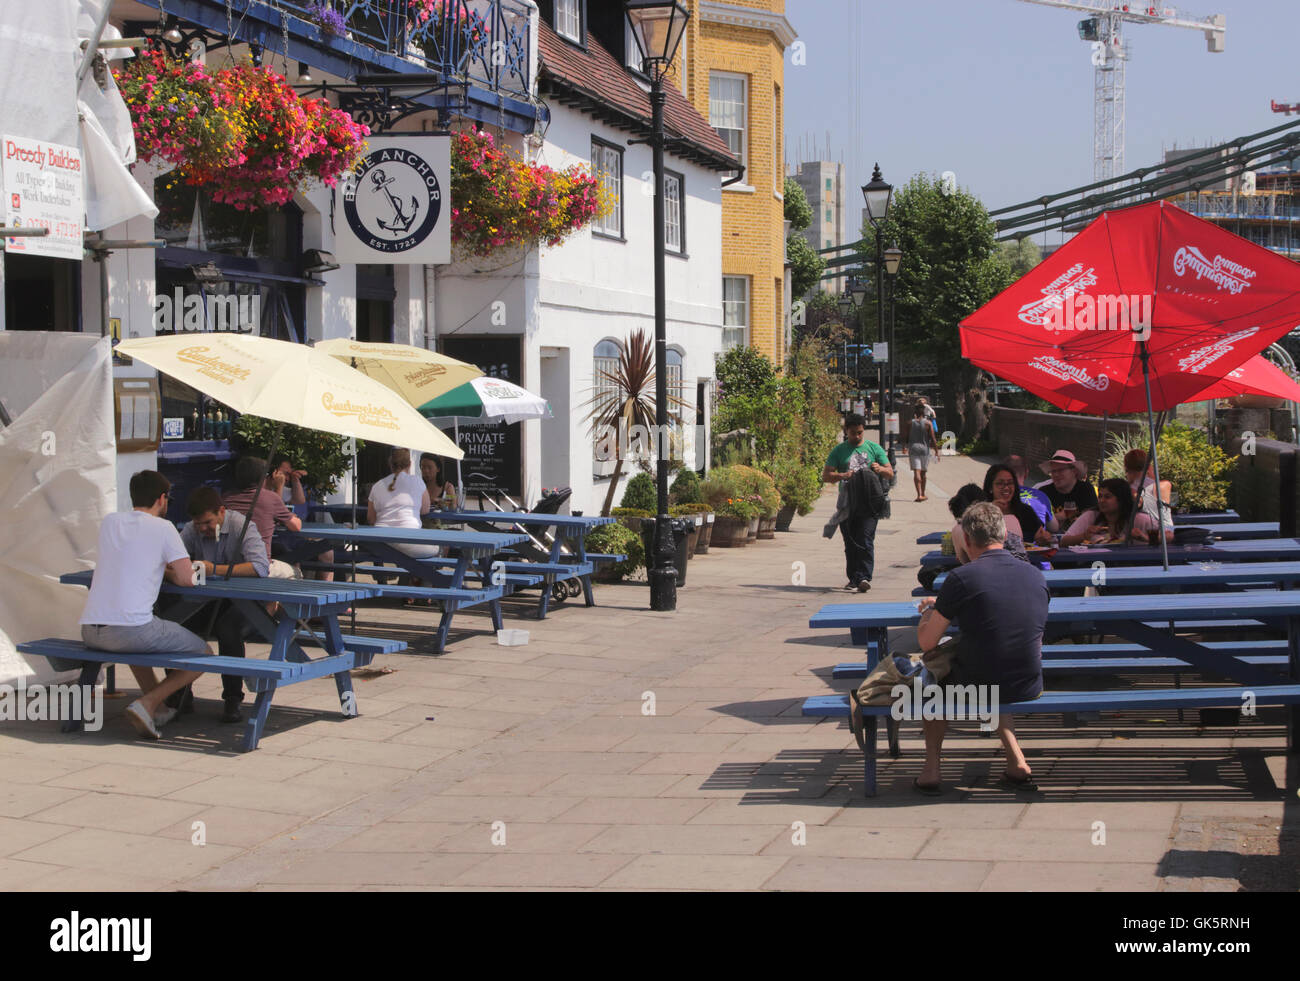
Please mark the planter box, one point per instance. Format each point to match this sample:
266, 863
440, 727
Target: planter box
784, 517
693, 539
753, 529
706, 533
730, 532
767, 528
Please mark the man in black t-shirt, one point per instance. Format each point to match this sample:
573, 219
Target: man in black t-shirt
1000, 606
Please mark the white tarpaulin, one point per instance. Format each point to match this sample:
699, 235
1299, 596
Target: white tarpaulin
38, 73
58, 479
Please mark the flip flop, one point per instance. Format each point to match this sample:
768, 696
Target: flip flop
1008, 782
928, 789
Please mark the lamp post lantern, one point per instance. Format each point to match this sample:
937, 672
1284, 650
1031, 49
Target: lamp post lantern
657, 27
878, 195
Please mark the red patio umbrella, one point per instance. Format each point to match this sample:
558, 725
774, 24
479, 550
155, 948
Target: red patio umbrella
1258, 376
1142, 310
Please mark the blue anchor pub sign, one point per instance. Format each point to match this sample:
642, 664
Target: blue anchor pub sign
394, 205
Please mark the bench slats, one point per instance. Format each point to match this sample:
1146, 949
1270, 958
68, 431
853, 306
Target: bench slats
857, 670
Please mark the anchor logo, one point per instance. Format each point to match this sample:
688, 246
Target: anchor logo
401, 222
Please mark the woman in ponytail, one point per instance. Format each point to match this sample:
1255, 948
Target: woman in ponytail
398, 501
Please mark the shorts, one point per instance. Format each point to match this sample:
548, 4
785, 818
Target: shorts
918, 459
417, 551
155, 637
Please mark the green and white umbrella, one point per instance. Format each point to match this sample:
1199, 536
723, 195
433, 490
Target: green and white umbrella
487, 400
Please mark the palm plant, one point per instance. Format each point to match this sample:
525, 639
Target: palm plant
624, 399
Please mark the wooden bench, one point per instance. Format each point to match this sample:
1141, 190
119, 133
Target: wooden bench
262, 676
837, 706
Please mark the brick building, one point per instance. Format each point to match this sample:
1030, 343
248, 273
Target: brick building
733, 63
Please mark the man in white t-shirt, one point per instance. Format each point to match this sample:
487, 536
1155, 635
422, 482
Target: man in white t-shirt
136, 550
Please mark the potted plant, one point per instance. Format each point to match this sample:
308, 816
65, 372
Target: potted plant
734, 518
696, 513
761, 489
799, 486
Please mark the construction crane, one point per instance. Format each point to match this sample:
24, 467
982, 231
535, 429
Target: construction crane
1104, 29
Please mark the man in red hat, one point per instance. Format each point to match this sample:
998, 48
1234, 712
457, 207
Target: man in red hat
1067, 489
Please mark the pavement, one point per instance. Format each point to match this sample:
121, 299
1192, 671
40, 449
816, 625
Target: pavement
622, 749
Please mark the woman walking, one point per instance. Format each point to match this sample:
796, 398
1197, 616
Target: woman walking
919, 444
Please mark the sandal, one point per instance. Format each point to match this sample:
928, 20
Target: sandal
1008, 782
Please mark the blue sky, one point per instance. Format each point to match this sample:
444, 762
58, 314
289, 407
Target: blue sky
1001, 92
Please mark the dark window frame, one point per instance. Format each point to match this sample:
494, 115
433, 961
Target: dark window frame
681, 209
596, 141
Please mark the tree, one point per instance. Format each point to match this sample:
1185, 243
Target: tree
1020, 256
798, 212
951, 267
806, 266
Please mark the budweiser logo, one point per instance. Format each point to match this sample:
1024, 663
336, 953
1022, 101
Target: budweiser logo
1108, 311
1203, 357
212, 366
367, 414
1070, 373
498, 391
425, 376
1074, 280
1222, 272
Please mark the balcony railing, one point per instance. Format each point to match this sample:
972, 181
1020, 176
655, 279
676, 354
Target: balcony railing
483, 42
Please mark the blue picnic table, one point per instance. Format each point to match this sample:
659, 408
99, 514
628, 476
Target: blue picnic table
1222, 531
1249, 550
287, 633
1128, 617
467, 555
1155, 578
566, 559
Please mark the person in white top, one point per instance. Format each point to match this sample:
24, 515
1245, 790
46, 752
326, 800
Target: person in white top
136, 550
398, 501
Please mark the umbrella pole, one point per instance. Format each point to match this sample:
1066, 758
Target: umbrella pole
1155, 463
1101, 460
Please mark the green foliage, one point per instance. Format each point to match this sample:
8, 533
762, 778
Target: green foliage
799, 485
722, 484
1020, 256
806, 266
686, 488
978, 447
745, 484
738, 507
320, 454
798, 212
778, 406
680, 510
1200, 473
615, 539
742, 371
640, 493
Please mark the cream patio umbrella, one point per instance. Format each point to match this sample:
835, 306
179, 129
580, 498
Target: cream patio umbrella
290, 383
416, 374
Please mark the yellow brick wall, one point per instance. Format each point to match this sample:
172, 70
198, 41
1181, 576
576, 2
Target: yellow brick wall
753, 242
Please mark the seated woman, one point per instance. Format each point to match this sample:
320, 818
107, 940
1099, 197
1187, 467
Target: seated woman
442, 493
398, 501
1105, 525
1002, 487
1142, 480
958, 503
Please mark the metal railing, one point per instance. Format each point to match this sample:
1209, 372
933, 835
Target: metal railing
483, 42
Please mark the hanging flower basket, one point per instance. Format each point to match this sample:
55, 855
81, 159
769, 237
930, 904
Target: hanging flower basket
499, 202
242, 133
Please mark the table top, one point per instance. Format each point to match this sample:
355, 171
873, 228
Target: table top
1223, 531
1192, 574
290, 592
524, 518
474, 541
1201, 606
1259, 549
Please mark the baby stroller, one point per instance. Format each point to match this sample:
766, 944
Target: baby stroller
537, 547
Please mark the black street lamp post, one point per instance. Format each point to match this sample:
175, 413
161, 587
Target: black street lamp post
878, 194
658, 26
893, 256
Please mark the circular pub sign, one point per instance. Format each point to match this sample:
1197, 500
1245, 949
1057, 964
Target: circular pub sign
393, 200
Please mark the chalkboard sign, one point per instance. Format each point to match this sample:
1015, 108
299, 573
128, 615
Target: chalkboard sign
493, 451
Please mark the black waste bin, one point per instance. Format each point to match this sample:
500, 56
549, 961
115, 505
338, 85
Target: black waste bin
682, 528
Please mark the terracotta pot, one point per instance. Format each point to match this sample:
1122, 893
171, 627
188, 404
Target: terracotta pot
730, 532
767, 528
706, 533
784, 517
753, 529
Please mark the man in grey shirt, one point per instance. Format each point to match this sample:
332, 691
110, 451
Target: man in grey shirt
216, 537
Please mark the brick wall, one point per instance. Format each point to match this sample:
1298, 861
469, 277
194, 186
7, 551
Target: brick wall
1037, 435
